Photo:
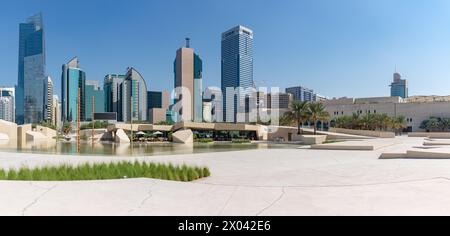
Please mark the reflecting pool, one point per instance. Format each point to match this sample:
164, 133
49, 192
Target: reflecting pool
137, 149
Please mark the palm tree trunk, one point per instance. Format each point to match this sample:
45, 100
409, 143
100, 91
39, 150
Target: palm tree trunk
299, 127
315, 127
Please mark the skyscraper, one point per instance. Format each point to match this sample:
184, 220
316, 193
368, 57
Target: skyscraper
7, 101
188, 70
111, 88
93, 91
48, 100
237, 68
399, 88
73, 82
157, 106
56, 120
133, 92
29, 92
302, 94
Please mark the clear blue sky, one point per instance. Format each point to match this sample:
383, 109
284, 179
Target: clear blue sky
337, 47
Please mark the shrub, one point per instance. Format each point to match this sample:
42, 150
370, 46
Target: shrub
204, 140
241, 141
102, 171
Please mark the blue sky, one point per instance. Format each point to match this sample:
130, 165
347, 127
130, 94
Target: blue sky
337, 47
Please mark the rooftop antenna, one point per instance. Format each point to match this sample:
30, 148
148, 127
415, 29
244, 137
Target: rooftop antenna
188, 42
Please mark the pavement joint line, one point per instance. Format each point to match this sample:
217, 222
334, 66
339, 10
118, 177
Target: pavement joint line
148, 196
228, 200
283, 192
333, 186
36, 200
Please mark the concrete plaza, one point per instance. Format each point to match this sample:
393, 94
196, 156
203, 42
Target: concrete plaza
257, 182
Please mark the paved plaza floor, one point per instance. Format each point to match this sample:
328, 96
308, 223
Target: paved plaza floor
256, 182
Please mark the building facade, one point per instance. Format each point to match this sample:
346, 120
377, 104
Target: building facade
414, 109
302, 94
48, 100
237, 70
94, 97
29, 90
188, 71
7, 104
158, 105
399, 87
111, 88
73, 91
56, 120
133, 91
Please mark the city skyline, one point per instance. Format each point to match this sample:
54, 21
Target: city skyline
374, 58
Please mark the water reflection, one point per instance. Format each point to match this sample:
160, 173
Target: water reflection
137, 149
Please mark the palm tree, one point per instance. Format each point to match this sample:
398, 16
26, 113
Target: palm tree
67, 128
315, 113
444, 124
398, 124
297, 114
385, 120
355, 122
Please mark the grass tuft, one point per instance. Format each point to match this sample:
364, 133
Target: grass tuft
103, 171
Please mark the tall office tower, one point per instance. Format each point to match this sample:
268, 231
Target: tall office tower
399, 88
302, 94
111, 88
48, 99
29, 91
157, 106
237, 68
7, 101
93, 90
188, 70
279, 100
56, 120
133, 91
73, 83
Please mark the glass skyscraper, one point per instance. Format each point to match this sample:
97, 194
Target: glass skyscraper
133, 91
93, 90
399, 88
73, 81
237, 67
154, 99
111, 88
31, 77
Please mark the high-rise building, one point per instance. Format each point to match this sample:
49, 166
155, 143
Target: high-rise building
73, 91
302, 94
7, 101
56, 120
111, 88
133, 92
399, 88
188, 70
29, 90
157, 105
157, 99
279, 100
237, 68
94, 92
48, 99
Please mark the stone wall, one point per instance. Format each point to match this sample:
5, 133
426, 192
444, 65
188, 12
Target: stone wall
368, 133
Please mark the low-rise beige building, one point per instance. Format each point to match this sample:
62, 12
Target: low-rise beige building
414, 109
